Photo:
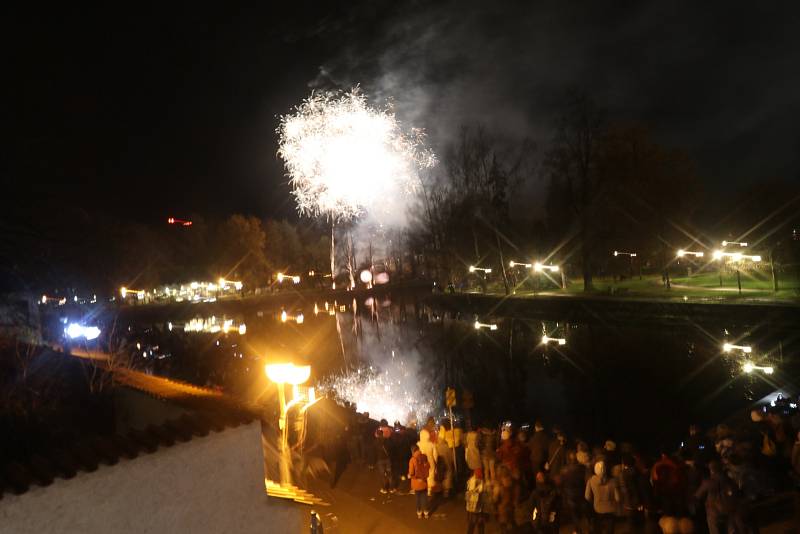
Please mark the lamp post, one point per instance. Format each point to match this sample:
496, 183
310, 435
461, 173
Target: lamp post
749, 367
472, 269
683, 253
282, 374
630, 255
547, 339
736, 258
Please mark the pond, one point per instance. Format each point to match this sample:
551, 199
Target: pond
394, 355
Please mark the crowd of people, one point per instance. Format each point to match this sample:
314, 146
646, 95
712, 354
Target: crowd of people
540, 480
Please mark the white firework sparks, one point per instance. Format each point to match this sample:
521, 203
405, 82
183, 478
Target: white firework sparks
345, 158
393, 393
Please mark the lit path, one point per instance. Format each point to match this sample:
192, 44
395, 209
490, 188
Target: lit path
358, 506
726, 289
163, 387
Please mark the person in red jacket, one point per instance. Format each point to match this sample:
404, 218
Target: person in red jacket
418, 471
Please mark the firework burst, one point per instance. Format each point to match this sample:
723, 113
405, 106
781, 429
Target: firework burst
392, 392
345, 158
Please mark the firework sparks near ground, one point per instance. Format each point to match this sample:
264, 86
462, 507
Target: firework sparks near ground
345, 158
393, 392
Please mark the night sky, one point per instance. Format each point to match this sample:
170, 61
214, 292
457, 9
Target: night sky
147, 112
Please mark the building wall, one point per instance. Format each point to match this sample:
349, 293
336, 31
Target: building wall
211, 484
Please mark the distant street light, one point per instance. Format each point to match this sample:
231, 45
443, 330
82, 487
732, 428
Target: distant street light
740, 243
728, 347
682, 253
294, 278
124, 292
749, 367
478, 325
736, 258
182, 222
472, 269
223, 284
513, 263
547, 339
630, 255
282, 374
539, 267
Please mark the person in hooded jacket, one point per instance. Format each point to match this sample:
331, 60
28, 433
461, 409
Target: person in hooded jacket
418, 470
602, 492
557, 454
428, 448
572, 485
487, 444
539, 445
383, 446
472, 454
545, 505
631, 503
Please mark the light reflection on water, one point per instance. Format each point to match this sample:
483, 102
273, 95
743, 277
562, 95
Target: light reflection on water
623, 381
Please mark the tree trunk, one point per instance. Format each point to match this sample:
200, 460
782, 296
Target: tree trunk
502, 263
772, 268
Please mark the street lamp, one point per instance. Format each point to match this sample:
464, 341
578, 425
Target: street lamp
728, 347
478, 325
539, 267
631, 255
735, 257
513, 263
682, 253
124, 292
294, 278
282, 374
547, 339
182, 222
472, 269
740, 243
223, 284
749, 367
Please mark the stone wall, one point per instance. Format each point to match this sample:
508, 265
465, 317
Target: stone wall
210, 484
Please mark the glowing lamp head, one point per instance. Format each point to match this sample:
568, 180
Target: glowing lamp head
287, 373
736, 256
74, 330
562, 341
681, 253
545, 340
238, 286
748, 367
123, 291
283, 316
726, 347
477, 325
512, 263
724, 243
472, 268
365, 276
554, 268
538, 267
717, 255
300, 318
44, 299
755, 258
280, 278
616, 253
747, 348
242, 329
295, 279
769, 370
